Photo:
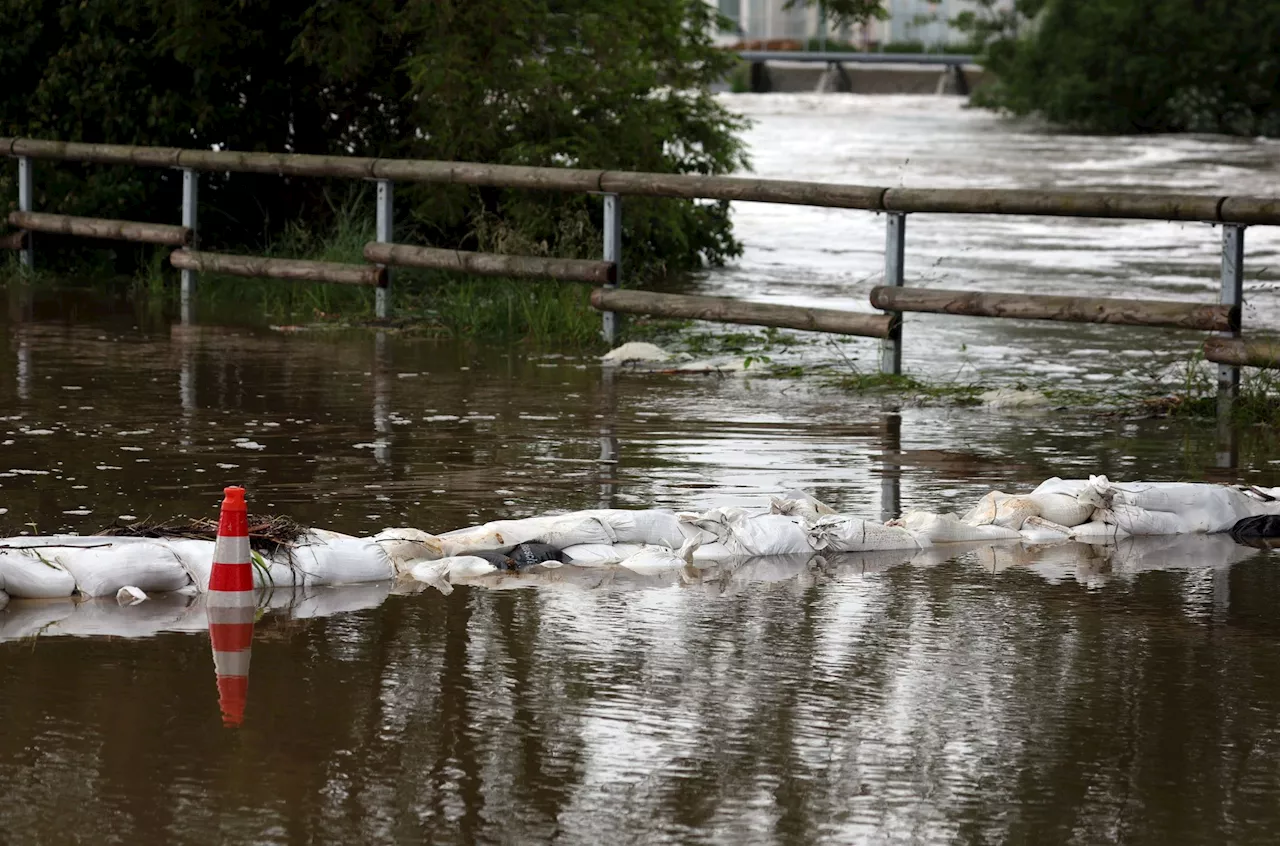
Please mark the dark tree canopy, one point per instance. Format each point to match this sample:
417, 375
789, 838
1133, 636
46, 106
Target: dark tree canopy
590, 83
1135, 65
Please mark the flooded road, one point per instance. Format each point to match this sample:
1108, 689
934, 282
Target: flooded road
1068, 694
833, 257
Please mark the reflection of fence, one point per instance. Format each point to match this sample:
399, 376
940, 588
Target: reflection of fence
1233, 213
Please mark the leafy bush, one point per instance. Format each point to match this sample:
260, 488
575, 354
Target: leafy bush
1134, 65
586, 83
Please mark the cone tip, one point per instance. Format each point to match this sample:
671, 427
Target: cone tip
233, 499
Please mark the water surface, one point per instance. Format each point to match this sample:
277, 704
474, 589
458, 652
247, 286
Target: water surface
1070, 694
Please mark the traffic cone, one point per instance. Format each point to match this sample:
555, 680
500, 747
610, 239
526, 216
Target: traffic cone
231, 607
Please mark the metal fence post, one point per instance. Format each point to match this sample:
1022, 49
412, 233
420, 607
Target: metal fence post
25, 200
1232, 295
190, 219
895, 246
382, 303
613, 253
1229, 375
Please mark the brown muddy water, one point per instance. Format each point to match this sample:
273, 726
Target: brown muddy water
976, 699
1071, 694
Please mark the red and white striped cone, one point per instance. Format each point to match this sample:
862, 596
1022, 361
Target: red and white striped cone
231, 607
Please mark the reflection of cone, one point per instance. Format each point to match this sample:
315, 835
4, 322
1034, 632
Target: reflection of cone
231, 607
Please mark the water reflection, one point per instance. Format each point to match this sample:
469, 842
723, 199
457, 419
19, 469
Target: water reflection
964, 698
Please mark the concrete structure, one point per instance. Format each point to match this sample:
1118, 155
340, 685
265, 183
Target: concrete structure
926, 21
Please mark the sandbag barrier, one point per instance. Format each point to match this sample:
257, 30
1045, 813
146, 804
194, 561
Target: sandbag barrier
1090, 565
643, 542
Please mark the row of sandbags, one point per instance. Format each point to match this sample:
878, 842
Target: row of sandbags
51, 567
1097, 510
1087, 564
1092, 510
641, 541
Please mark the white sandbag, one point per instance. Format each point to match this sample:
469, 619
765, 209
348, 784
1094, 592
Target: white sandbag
1065, 487
1040, 530
659, 559
1063, 509
407, 547
559, 531
196, 557
1133, 520
714, 551
130, 595
798, 503
442, 572
330, 558
1012, 511
768, 534
4, 600
655, 526
28, 573
599, 554
947, 528
653, 559
1198, 507
834, 533
745, 535
103, 570
1096, 531
710, 526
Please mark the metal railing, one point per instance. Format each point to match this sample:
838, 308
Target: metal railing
835, 57
1234, 213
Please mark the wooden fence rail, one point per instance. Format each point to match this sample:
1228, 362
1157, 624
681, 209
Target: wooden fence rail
96, 227
1174, 315
1233, 213
277, 268
726, 310
1150, 206
492, 264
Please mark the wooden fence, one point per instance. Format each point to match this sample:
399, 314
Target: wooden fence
1233, 213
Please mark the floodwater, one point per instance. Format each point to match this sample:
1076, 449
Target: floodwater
1072, 694
833, 257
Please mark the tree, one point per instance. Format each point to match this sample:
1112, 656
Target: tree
1134, 65
586, 83
840, 13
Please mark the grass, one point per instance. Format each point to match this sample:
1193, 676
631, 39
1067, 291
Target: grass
429, 302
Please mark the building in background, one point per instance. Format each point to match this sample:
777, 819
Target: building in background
924, 21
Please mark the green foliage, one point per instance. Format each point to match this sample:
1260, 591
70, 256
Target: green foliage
584, 83
1134, 65
840, 13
